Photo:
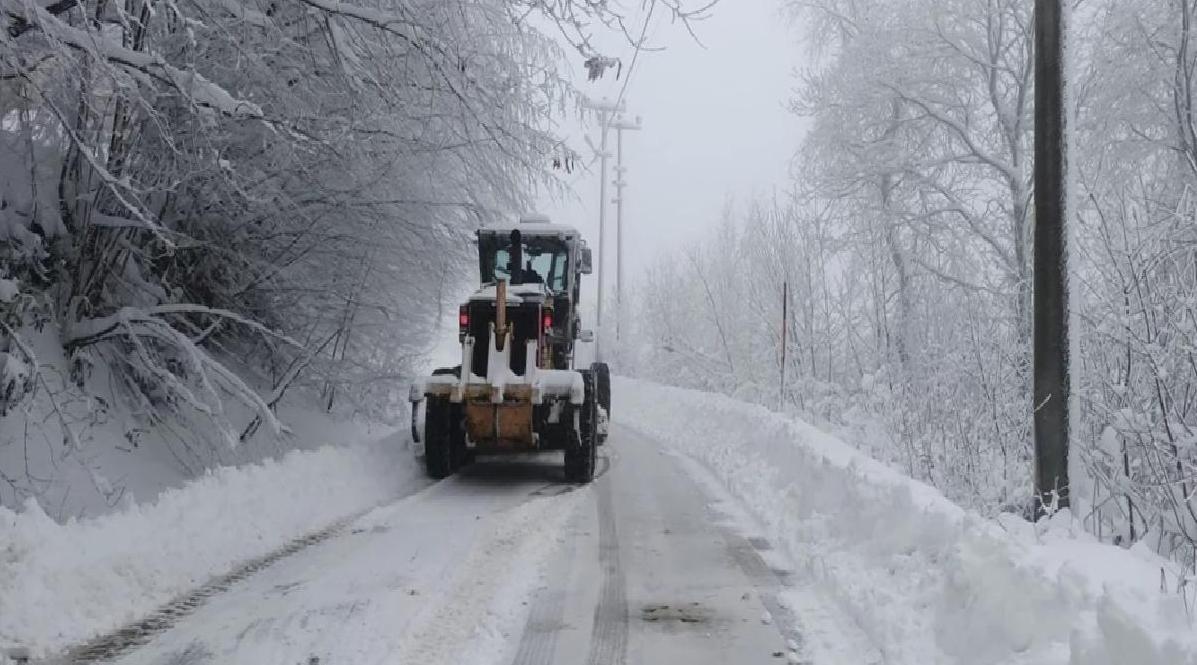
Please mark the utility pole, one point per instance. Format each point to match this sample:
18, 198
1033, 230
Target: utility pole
605, 110
1052, 389
785, 342
621, 125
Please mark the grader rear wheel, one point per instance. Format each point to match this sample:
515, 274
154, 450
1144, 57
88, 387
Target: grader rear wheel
582, 436
444, 438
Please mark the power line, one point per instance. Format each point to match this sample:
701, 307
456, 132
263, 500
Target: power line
636, 54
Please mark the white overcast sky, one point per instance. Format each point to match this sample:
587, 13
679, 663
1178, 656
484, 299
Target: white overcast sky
715, 126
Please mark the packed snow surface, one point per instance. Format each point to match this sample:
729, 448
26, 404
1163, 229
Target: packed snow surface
61, 584
927, 581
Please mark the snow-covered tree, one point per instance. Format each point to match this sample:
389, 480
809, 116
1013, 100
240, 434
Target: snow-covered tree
212, 202
905, 246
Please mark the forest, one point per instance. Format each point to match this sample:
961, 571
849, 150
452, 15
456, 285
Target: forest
904, 242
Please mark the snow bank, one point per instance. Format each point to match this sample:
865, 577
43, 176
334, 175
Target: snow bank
85, 453
64, 583
926, 580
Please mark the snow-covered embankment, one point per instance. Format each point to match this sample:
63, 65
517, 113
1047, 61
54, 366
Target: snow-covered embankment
928, 581
61, 584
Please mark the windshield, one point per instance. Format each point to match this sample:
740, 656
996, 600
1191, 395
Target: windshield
545, 260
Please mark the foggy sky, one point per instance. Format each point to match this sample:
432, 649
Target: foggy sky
715, 126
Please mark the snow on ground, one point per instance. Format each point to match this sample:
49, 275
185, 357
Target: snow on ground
444, 575
83, 455
487, 603
927, 581
828, 633
63, 583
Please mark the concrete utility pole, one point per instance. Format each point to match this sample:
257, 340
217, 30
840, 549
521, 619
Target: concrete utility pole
621, 125
606, 110
1052, 383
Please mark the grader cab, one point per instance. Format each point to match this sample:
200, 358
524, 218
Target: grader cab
517, 388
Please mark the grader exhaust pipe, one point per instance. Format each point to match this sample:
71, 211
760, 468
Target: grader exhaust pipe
515, 267
517, 257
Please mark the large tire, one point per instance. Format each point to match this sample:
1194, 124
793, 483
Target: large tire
444, 438
602, 386
582, 438
459, 455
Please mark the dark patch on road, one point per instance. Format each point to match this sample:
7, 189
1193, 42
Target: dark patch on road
686, 613
553, 490
785, 577
378, 528
760, 544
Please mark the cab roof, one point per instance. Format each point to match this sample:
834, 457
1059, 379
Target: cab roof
532, 225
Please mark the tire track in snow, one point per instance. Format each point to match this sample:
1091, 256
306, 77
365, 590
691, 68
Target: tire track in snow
112, 645
546, 618
471, 621
609, 638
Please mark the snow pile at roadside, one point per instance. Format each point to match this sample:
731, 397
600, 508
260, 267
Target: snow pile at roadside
61, 584
928, 581
86, 452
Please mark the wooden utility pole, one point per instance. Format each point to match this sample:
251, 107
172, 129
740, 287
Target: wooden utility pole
1052, 389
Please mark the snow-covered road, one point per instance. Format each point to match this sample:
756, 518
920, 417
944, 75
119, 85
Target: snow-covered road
504, 563
716, 531
654, 574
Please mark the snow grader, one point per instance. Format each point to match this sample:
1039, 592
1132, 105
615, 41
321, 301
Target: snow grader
518, 388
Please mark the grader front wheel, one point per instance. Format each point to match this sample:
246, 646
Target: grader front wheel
602, 388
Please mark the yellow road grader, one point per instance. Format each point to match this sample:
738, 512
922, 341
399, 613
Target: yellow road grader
517, 388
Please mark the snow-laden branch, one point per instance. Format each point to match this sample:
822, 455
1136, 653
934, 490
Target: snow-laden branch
961, 132
135, 325
190, 84
87, 331
379, 19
